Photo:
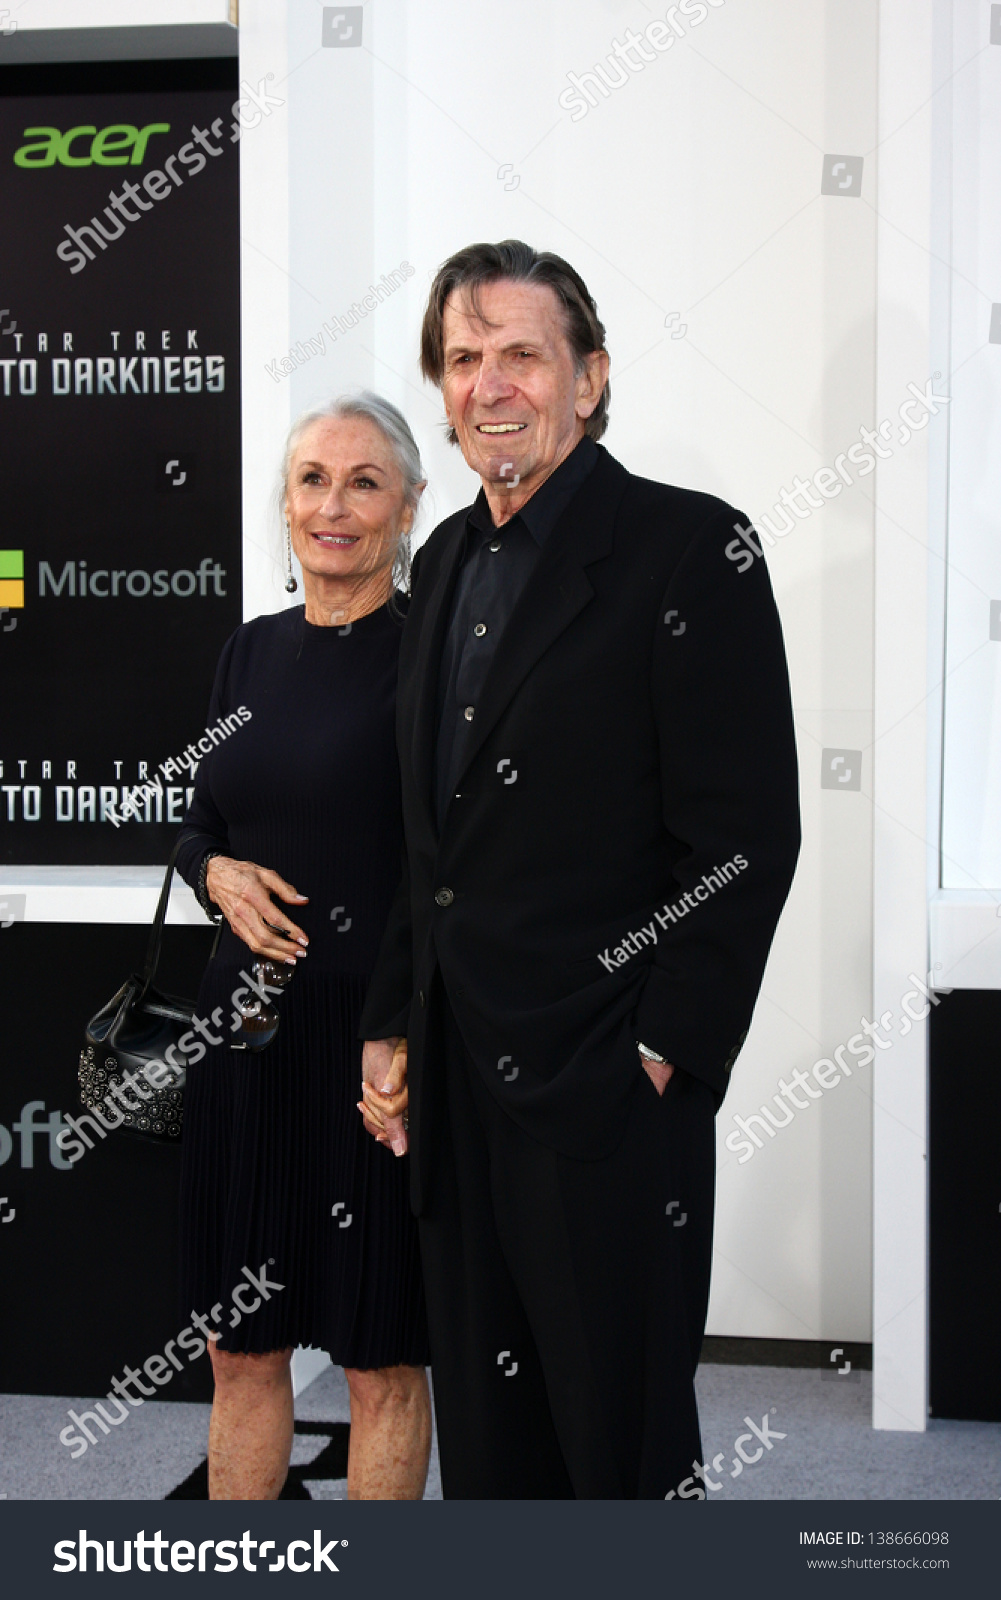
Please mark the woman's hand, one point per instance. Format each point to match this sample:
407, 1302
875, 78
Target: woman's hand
242, 891
384, 1092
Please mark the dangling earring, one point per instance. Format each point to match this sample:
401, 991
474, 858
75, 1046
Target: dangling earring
290, 584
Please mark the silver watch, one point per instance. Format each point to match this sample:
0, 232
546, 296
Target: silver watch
651, 1055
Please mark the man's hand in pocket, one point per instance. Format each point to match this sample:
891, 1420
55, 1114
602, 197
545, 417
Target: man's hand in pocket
658, 1072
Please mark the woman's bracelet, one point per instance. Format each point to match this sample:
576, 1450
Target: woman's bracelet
209, 907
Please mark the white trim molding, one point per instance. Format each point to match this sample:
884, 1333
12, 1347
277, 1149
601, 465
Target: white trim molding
913, 156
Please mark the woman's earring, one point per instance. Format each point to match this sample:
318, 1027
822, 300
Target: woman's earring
290, 584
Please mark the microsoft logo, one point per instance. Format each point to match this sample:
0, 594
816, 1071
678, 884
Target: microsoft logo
11, 579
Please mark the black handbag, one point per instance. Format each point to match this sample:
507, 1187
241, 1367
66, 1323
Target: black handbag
134, 1030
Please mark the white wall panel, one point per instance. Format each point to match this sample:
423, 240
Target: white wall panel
971, 800
693, 189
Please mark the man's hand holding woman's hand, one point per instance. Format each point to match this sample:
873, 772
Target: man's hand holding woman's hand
242, 891
384, 1092
384, 1089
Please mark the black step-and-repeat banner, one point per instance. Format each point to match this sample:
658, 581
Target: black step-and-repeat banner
119, 450
119, 582
88, 1248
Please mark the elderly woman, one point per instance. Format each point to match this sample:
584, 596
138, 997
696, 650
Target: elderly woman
294, 838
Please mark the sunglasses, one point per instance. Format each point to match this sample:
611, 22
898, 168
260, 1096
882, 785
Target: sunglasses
259, 1020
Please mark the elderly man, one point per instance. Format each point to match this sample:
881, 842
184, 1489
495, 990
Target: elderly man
600, 802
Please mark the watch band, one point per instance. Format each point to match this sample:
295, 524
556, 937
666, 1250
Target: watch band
651, 1055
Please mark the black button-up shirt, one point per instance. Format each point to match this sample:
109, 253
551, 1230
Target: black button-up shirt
495, 566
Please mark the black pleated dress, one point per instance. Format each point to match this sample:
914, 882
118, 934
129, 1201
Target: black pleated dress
277, 1167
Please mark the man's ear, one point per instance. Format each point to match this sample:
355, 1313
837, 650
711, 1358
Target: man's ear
591, 382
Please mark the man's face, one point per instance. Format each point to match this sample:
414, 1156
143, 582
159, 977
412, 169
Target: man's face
509, 385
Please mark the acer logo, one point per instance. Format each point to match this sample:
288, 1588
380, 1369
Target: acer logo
120, 144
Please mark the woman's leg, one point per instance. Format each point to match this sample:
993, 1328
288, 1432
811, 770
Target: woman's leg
390, 1433
250, 1432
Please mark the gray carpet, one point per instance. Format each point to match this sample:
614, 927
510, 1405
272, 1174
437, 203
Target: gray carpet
829, 1451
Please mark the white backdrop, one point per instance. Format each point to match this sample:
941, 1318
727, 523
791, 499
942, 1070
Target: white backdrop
971, 801
756, 324
740, 307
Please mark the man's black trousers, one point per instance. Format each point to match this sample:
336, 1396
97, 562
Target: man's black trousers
566, 1299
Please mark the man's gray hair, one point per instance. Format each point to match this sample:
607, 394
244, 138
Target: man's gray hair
516, 262
393, 426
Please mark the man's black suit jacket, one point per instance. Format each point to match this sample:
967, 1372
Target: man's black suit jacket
633, 737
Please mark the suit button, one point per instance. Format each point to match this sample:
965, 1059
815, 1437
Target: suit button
444, 897
420, 997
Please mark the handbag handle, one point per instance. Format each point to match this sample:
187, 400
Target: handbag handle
156, 932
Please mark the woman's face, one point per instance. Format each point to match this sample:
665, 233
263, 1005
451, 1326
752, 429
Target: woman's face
346, 502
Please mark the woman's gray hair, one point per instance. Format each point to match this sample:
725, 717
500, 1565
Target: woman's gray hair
393, 426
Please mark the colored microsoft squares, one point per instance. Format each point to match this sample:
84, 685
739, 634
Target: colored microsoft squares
11, 578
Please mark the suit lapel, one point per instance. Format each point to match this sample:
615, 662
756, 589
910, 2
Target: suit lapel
432, 625
556, 592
